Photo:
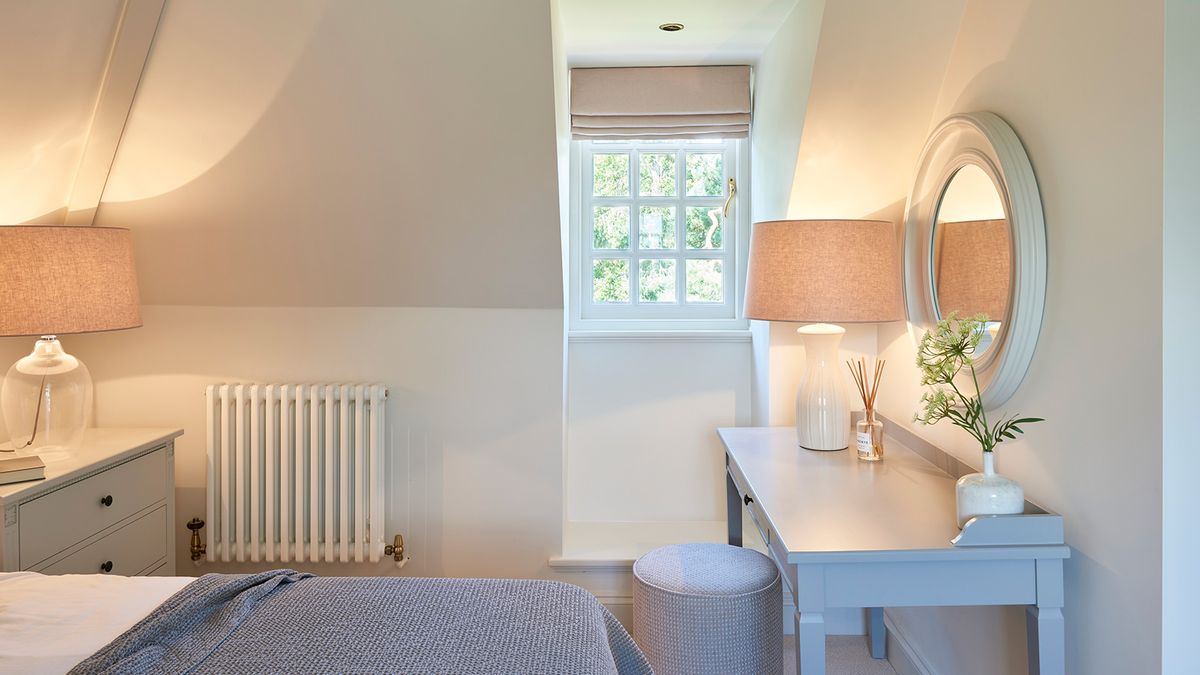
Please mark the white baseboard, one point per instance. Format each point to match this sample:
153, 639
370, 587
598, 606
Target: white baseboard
903, 656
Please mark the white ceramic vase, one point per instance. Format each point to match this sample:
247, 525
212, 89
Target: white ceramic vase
988, 493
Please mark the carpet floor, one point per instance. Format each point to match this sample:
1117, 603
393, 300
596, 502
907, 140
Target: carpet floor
845, 655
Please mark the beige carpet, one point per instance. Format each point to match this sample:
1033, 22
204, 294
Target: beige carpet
844, 654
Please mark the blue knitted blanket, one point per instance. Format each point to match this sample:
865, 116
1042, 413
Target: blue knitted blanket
290, 622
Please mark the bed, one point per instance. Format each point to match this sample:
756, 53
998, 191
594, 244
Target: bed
284, 621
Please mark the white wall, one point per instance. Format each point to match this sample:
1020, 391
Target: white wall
319, 192
54, 54
641, 428
1082, 89
272, 142
1181, 325
474, 407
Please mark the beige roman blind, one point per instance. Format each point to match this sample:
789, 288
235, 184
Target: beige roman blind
656, 103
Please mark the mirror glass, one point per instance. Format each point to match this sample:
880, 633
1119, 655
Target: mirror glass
971, 255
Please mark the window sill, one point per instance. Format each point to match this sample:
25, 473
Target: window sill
583, 336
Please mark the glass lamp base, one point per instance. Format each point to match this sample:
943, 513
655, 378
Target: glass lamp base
46, 399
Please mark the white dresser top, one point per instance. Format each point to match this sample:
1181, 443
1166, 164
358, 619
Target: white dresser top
99, 446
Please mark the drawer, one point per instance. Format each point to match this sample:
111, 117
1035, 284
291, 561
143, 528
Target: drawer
753, 507
132, 549
67, 516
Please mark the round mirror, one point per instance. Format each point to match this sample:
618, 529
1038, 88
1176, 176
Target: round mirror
971, 254
975, 243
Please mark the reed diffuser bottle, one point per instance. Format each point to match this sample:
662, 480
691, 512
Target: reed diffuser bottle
868, 436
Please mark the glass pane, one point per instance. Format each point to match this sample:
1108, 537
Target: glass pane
610, 227
656, 283
657, 174
705, 174
703, 227
610, 175
705, 282
657, 227
610, 280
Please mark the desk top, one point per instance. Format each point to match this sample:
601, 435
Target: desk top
99, 446
830, 506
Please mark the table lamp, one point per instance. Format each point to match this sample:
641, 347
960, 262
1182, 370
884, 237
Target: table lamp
56, 280
822, 273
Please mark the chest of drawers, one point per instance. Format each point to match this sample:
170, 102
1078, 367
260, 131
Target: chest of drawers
106, 507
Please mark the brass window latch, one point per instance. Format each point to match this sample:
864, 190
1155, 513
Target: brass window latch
732, 194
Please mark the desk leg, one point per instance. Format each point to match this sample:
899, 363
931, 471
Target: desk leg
810, 643
733, 511
876, 633
810, 619
1044, 626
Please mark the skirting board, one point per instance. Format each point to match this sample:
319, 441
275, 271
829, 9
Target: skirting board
905, 658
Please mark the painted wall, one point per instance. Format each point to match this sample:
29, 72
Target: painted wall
1082, 89
1181, 325
306, 186
54, 56
413, 139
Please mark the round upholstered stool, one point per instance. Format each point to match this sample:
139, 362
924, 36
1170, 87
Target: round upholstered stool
708, 609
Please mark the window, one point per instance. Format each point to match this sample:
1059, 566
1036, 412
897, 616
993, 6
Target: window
655, 241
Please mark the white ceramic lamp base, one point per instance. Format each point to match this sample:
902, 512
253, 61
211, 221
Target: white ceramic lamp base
822, 411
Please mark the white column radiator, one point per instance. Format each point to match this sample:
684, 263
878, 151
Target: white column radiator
295, 472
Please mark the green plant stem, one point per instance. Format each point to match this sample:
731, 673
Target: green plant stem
982, 412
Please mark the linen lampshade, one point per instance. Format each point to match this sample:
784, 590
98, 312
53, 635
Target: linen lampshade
972, 266
829, 271
56, 280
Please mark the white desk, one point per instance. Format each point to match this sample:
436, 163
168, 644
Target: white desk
847, 533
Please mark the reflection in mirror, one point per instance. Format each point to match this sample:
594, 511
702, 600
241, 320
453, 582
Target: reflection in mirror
972, 252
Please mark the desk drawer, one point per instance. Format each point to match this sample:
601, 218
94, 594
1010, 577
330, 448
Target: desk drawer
756, 513
132, 549
64, 517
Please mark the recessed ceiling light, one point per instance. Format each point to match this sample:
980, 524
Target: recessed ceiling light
673, 27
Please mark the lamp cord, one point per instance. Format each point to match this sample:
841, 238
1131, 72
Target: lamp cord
37, 414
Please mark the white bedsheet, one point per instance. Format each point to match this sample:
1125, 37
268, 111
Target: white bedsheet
48, 624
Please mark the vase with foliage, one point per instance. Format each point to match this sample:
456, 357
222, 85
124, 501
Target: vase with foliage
946, 354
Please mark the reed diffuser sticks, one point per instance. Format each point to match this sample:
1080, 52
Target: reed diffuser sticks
867, 388
869, 431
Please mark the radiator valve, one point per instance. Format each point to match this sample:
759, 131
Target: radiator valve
197, 546
396, 550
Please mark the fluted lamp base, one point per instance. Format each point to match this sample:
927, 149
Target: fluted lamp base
46, 398
822, 411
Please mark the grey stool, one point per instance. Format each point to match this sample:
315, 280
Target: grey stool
708, 609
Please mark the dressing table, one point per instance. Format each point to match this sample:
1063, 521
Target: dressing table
846, 533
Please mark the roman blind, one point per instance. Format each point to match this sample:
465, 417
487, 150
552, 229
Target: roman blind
660, 103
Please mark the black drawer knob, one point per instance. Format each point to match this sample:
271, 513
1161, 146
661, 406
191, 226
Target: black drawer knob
106, 567
106, 500
747, 499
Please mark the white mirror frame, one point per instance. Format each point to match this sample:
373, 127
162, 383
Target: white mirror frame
986, 140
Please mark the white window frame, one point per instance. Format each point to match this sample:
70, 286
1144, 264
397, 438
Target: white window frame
586, 315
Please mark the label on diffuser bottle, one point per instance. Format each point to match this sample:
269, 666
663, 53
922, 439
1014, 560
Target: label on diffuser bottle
864, 442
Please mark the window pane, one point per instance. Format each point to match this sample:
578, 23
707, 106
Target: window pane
703, 227
705, 282
610, 175
610, 227
656, 283
657, 174
657, 227
705, 174
610, 280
